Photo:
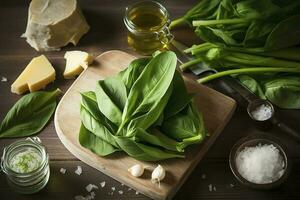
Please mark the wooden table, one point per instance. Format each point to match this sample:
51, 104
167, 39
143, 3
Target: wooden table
108, 32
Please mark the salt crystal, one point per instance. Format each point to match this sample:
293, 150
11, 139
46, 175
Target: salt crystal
122, 184
210, 188
102, 184
90, 187
113, 188
62, 170
260, 164
3, 79
262, 112
79, 197
231, 185
92, 194
136, 192
120, 191
215, 189
203, 176
129, 189
78, 171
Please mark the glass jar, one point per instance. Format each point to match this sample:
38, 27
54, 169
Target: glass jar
147, 23
26, 180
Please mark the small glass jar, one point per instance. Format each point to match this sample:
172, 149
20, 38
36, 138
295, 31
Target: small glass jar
30, 181
147, 23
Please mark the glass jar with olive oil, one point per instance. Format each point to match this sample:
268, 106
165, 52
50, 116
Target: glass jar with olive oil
148, 27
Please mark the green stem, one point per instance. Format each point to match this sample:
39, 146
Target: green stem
260, 60
246, 71
184, 66
221, 21
177, 22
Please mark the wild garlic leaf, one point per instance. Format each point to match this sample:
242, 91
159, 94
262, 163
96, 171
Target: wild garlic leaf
283, 91
111, 97
186, 124
179, 97
100, 128
150, 86
94, 143
29, 114
144, 152
132, 72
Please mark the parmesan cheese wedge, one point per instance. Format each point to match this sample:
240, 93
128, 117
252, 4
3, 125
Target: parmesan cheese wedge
37, 74
53, 24
76, 62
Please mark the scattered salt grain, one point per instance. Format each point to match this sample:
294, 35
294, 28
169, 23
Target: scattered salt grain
93, 195
129, 189
203, 176
78, 171
231, 185
215, 189
120, 191
262, 112
102, 184
113, 188
62, 170
3, 79
260, 164
136, 192
90, 187
210, 187
122, 184
79, 197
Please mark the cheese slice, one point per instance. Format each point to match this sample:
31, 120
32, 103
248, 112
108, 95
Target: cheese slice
37, 74
53, 24
76, 62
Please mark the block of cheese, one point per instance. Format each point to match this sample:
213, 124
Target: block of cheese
53, 24
37, 74
76, 62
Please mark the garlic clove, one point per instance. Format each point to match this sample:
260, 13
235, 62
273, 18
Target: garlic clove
136, 170
158, 174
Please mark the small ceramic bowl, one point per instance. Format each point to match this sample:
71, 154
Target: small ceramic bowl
252, 141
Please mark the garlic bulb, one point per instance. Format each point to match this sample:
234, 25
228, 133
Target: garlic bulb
136, 170
158, 174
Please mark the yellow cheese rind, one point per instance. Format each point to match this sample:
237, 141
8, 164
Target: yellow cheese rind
37, 74
76, 62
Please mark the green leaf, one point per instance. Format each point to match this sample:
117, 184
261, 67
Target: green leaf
179, 97
284, 92
186, 124
285, 34
133, 71
144, 152
252, 85
150, 87
154, 137
100, 128
90, 141
111, 97
29, 115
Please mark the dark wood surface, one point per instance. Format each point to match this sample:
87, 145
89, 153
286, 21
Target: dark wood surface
108, 32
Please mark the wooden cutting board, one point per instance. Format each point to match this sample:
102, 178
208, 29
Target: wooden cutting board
217, 110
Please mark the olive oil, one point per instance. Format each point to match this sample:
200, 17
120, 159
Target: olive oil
147, 24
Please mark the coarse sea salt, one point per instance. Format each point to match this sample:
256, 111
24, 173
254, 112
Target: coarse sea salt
260, 164
262, 112
91, 187
78, 171
62, 170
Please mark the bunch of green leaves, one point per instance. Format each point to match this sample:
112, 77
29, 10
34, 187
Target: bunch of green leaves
29, 115
267, 25
275, 71
144, 111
